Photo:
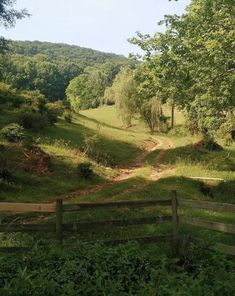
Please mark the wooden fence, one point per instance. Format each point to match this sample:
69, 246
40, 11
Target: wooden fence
59, 208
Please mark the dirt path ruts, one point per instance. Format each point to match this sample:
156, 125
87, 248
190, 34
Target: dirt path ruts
158, 170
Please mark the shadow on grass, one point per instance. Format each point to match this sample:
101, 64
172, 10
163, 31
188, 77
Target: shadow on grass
74, 134
100, 122
28, 187
224, 192
189, 155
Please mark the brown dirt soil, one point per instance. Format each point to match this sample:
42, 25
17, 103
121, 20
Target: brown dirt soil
126, 173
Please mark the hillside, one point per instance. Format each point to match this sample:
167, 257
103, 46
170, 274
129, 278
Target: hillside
49, 67
127, 164
72, 53
131, 165
115, 150
117, 175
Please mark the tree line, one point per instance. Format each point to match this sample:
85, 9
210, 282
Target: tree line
49, 67
191, 66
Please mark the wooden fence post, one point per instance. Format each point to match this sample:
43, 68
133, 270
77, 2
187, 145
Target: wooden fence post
174, 204
59, 221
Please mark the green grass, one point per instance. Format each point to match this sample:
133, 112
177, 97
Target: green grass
63, 143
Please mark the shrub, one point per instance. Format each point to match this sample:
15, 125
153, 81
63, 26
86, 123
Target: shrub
5, 174
68, 116
34, 100
104, 158
28, 141
10, 95
54, 110
33, 121
90, 148
85, 170
13, 133
179, 131
37, 161
208, 143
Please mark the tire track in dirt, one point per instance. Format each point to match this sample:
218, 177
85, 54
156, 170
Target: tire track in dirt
158, 170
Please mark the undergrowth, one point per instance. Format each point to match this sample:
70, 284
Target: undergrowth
124, 270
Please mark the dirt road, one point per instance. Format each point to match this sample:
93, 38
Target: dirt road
157, 170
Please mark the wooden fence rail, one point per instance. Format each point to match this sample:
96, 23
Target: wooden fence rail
115, 204
59, 228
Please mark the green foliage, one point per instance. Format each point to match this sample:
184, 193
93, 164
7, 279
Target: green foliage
87, 90
123, 93
192, 63
179, 131
13, 133
8, 18
10, 96
5, 174
123, 270
29, 66
151, 113
68, 116
33, 121
85, 170
227, 129
91, 148
54, 110
209, 144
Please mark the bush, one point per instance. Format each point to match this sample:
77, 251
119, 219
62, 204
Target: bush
85, 170
90, 148
54, 110
67, 116
33, 121
13, 133
10, 95
208, 143
37, 161
5, 174
179, 131
103, 158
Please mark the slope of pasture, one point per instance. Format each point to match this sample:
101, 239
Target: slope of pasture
64, 142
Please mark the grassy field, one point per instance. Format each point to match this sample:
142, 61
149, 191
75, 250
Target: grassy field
63, 143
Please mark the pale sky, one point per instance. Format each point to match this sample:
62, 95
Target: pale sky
99, 24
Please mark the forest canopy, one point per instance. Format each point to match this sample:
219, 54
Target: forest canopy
49, 67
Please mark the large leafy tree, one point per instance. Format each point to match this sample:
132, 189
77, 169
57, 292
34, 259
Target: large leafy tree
149, 98
8, 18
209, 42
87, 90
194, 62
124, 93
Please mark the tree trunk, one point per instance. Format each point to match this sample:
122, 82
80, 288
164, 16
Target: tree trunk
173, 114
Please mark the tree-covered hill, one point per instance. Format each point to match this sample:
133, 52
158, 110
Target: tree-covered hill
57, 51
49, 67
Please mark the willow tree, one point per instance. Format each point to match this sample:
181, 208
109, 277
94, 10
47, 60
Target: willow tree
149, 99
124, 93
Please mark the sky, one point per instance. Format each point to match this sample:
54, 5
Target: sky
104, 25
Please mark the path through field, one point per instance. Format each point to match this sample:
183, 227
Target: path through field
161, 144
